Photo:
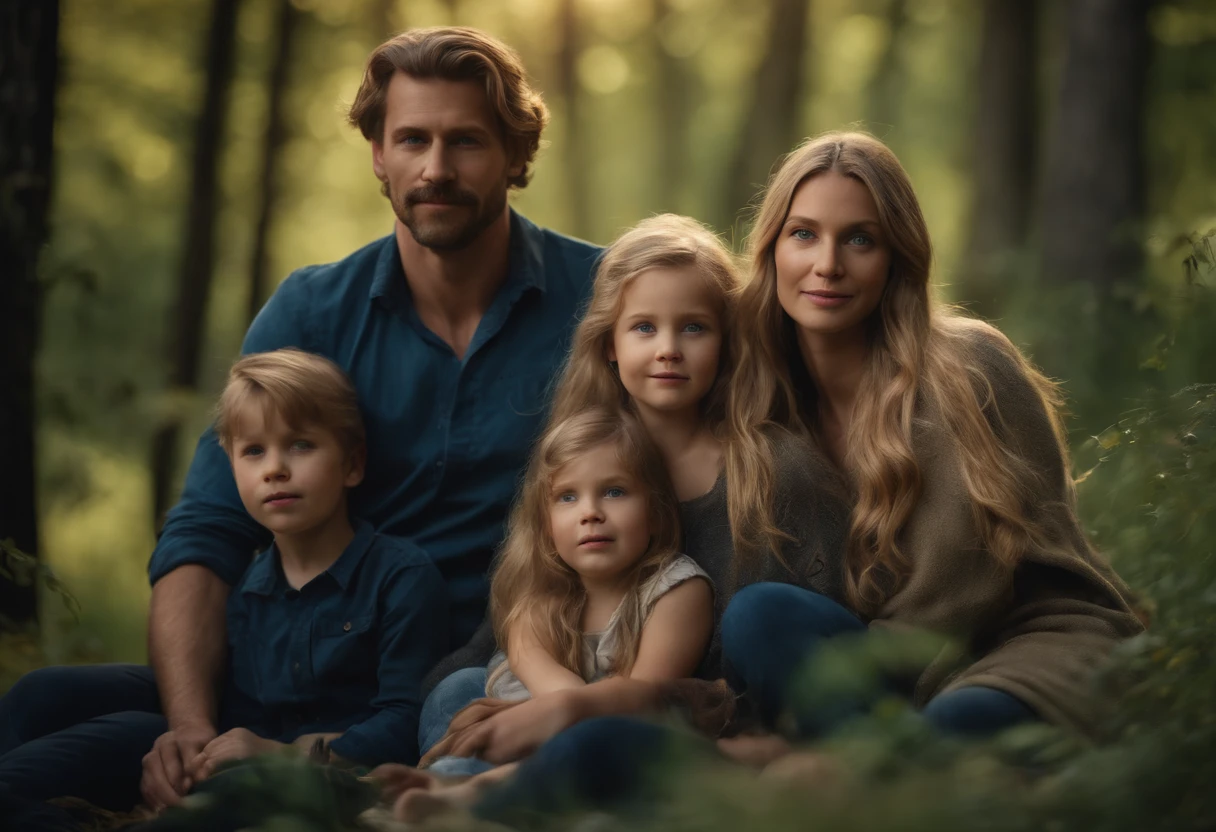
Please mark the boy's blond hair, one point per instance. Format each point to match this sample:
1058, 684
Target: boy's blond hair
301, 387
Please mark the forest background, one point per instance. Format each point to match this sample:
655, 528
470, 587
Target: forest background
165, 164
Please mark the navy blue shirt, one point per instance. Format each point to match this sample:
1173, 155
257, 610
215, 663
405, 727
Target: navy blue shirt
447, 438
344, 653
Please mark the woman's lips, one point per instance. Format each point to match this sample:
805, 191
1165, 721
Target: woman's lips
828, 300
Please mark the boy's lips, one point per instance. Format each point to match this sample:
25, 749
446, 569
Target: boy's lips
280, 498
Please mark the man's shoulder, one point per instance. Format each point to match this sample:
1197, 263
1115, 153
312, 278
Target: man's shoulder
568, 260
352, 273
391, 556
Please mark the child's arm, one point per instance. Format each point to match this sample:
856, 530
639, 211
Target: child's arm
676, 633
532, 664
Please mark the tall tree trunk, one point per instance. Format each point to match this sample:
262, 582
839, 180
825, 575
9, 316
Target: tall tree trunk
774, 119
29, 58
197, 257
1093, 184
673, 94
887, 85
1004, 153
272, 146
577, 163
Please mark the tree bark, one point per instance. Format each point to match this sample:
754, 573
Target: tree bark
1093, 184
1005, 135
774, 120
29, 60
273, 141
577, 164
887, 86
197, 259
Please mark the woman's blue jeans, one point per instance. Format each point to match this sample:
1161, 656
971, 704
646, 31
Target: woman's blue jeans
448, 697
769, 631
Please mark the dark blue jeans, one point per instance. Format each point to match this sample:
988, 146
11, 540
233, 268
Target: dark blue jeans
769, 630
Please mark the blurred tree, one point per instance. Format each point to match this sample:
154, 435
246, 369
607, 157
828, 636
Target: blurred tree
273, 141
197, 255
29, 58
673, 94
577, 173
1093, 183
886, 87
773, 120
1003, 165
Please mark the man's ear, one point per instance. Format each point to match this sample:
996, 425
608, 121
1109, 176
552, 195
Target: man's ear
517, 161
357, 467
378, 160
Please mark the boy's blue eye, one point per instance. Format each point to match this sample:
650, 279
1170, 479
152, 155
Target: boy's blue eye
301, 445
614, 492
645, 329
251, 450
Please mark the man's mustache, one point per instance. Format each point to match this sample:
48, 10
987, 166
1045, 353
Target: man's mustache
446, 196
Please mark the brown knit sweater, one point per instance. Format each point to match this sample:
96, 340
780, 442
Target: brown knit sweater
1038, 631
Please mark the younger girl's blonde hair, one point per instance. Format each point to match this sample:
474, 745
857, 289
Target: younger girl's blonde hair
663, 241
532, 585
922, 354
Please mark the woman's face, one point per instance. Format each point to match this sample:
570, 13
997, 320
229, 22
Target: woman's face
831, 257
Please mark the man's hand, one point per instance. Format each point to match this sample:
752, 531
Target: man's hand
168, 767
514, 733
237, 744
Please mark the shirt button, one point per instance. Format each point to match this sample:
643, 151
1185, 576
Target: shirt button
346, 627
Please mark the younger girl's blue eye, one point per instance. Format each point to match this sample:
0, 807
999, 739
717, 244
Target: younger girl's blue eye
565, 498
694, 328
614, 492
645, 329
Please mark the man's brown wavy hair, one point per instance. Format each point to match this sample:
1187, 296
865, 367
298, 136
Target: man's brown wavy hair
454, 53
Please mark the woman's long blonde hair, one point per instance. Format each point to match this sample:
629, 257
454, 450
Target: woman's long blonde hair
663, 241
922, 357
532, 585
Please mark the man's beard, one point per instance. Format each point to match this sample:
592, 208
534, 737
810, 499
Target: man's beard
460, 227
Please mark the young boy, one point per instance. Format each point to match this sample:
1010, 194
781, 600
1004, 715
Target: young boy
332, 628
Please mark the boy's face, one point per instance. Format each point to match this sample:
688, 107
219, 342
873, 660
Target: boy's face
290, 480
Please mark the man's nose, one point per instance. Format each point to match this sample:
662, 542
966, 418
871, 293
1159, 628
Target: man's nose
438, 164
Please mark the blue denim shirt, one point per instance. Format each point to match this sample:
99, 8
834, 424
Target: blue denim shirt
447, 438
344, 653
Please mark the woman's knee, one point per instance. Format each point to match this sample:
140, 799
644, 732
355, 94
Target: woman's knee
760, 611
449, 696
976, 711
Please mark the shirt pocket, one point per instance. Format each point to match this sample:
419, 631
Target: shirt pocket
345, 649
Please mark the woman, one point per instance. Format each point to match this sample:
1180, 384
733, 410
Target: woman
964, 521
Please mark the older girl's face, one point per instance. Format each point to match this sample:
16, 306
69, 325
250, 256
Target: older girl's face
831, 257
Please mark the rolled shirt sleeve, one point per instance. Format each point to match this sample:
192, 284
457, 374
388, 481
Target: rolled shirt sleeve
209, 525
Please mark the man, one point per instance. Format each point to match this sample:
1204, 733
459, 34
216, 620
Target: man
451, 329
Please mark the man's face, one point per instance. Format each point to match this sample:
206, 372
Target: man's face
442, 160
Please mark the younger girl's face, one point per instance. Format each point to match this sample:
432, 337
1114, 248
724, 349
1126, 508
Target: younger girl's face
831, 257
598, 516
667, 339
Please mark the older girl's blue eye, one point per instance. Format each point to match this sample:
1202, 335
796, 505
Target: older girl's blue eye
614, 492
566, 498
645, 329
694, 328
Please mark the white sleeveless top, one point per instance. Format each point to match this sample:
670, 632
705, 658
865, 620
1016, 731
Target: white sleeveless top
599, 648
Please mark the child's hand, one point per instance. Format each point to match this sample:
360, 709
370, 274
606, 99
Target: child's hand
516, 732
237, 744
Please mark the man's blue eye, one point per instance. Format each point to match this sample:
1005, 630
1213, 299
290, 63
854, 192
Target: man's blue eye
615, 492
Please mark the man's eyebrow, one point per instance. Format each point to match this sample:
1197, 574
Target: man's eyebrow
460, 129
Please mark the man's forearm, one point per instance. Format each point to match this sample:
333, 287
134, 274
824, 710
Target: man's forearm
187, 642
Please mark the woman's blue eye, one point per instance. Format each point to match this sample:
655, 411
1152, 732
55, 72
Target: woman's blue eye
614, 492
803, 234
645, 329
861, 240
694, 328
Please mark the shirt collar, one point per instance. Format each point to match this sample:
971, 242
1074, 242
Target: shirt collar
265, 575
525, 263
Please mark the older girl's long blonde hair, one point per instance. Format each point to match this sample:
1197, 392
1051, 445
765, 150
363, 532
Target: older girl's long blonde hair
662, 241
532, 585
921, 355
